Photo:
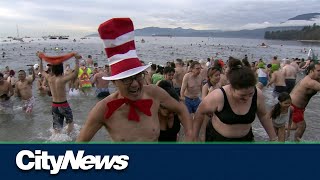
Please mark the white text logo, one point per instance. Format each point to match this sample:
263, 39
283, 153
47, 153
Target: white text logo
40, 160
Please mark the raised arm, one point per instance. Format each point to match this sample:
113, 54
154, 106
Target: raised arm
33, 77
75, 72
44, 73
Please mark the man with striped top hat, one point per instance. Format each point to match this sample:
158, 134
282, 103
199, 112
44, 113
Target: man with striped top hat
131, 112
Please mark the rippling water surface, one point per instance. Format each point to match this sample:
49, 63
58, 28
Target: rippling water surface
18, 126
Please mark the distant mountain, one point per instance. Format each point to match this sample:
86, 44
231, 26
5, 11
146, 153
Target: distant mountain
256, 33
180, 32
306, 17
151, 31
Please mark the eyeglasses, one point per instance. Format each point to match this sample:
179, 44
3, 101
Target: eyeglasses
129, 80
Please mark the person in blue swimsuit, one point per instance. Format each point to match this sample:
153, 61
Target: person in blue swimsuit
234, 107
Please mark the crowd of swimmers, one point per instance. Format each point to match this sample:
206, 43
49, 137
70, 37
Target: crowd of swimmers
222, 97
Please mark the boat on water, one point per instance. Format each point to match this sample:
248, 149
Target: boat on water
58, 37
53, 37
63, 37
162, 35
18, 38
263, 45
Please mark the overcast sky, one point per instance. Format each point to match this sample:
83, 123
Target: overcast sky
82, 17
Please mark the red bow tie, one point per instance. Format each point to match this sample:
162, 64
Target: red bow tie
143, 105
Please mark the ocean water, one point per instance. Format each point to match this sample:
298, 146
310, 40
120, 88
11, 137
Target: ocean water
37, 127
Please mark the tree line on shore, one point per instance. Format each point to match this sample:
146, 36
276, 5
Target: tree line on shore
306, 33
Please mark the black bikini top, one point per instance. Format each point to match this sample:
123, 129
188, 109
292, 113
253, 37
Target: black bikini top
227, 116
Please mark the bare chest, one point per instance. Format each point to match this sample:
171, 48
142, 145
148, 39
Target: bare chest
23, 86
121, 128
194, 82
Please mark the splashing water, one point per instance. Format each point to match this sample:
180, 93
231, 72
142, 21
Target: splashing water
63, 136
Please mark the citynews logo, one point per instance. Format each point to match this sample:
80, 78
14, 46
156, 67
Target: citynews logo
40, 160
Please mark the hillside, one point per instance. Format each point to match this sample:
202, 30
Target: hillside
180, 32
306, 33
256, 33
306, 17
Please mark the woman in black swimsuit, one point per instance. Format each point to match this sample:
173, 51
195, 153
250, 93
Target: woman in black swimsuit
234, 108
169, 122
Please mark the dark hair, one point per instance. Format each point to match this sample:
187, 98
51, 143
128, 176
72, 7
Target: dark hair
189, 62
49, 70
179, 61
159, 69
166, 85
11, 73
1, 75
276, 110
245, 62
57, 69
213, 69
21, 70
168, 70
153, 66
216, 63
311, 66
193, 64
240, 76
173, 65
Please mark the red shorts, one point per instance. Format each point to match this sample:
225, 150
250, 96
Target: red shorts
297, 114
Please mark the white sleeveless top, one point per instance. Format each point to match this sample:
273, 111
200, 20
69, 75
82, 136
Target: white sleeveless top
281, 119
261, 73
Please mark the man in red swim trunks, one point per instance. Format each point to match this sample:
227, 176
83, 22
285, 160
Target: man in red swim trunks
301, 95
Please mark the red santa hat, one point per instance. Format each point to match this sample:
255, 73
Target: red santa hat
117, 35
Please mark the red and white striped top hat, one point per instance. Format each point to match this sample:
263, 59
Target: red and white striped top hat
118, 37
